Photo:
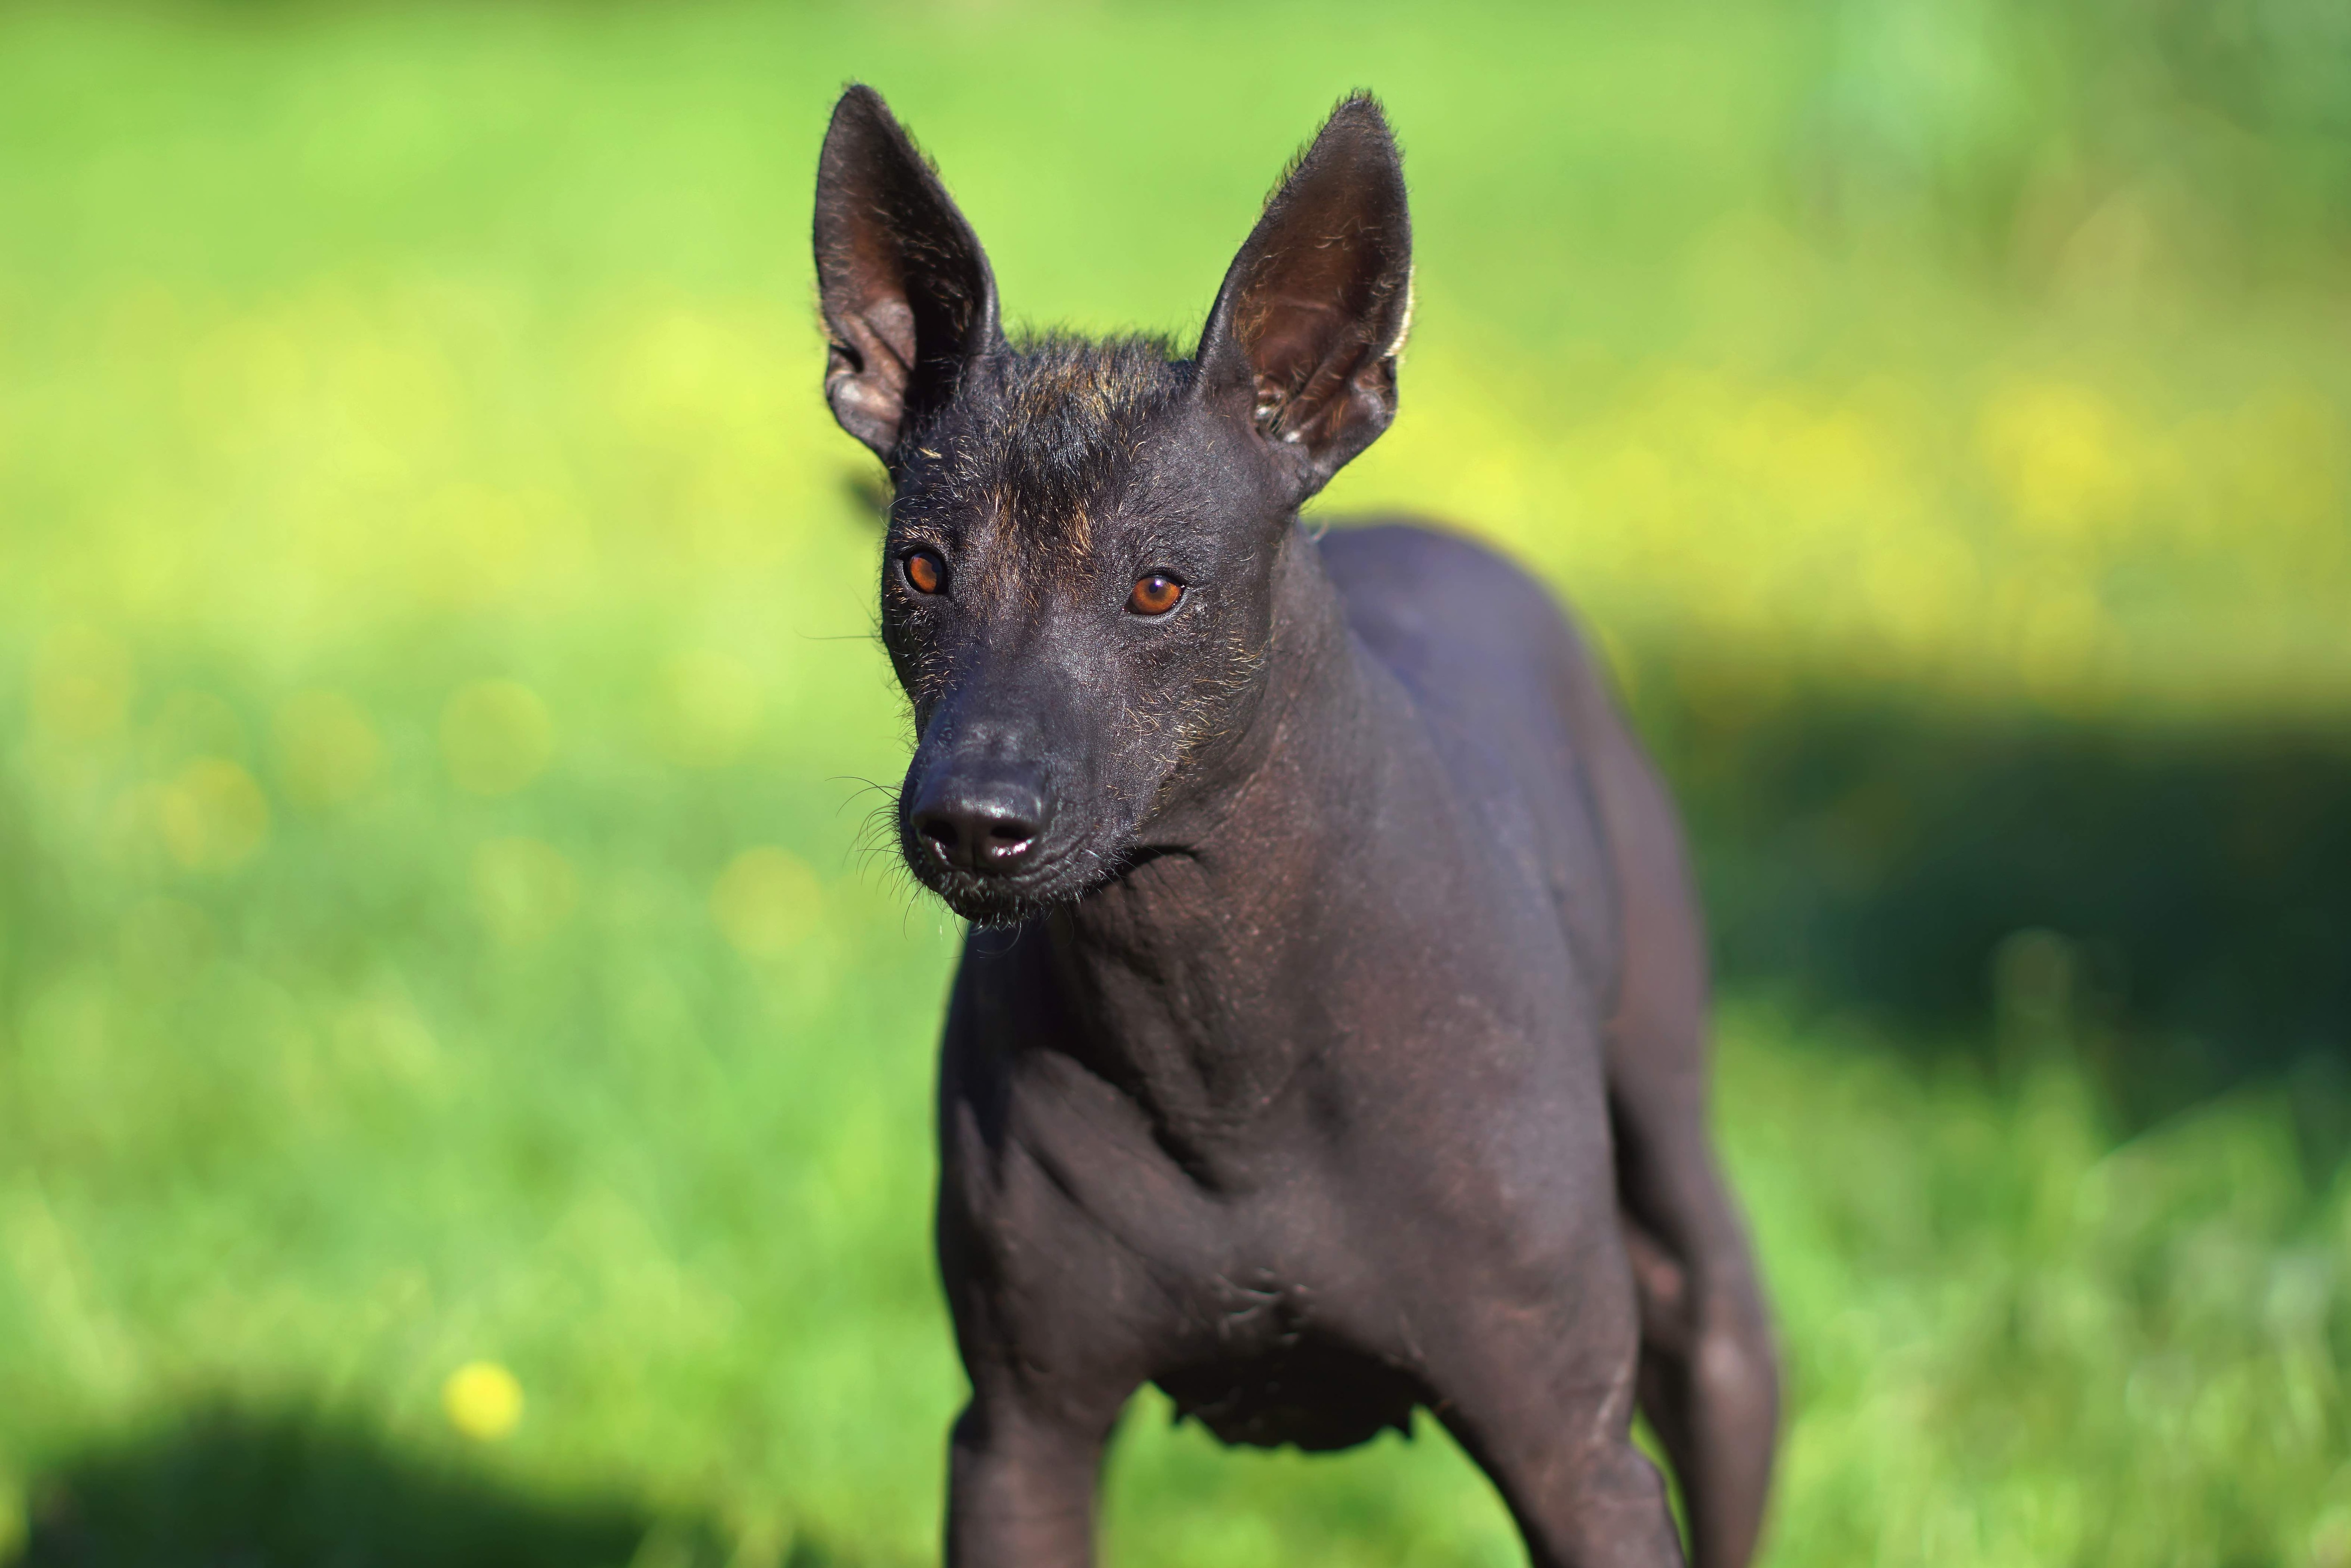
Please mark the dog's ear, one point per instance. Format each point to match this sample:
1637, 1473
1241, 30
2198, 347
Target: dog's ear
1303, 338
907, 296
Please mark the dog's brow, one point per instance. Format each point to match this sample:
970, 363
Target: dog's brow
1046, 436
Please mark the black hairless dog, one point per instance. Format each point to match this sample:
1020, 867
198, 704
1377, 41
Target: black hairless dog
1330, 1038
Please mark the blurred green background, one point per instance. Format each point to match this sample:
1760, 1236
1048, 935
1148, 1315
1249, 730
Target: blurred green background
438, 710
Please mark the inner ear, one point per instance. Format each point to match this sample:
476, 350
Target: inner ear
907, 296
1303, 338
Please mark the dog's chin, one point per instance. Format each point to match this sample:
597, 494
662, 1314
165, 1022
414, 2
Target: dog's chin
999, 902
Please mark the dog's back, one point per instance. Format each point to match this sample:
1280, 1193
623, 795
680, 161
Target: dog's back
1500, 682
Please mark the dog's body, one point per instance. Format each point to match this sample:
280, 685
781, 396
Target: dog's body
1331, 1040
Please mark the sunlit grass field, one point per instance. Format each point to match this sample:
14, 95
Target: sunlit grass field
438, 715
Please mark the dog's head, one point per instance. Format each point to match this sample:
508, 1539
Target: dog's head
1077, 583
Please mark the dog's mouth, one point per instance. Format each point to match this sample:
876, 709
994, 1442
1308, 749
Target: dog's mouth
1049, 875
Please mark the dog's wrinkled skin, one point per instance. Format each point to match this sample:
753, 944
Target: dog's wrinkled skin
1330, 1040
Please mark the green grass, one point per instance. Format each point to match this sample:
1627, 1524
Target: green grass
436, 706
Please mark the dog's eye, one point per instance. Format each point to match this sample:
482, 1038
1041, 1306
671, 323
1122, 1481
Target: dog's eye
926, 572
1155, 593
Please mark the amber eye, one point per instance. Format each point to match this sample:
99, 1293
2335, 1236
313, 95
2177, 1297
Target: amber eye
926, 572
1154, 594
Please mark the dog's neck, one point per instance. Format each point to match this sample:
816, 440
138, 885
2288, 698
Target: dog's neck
1195, 978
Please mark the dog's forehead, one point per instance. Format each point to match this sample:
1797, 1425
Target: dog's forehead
1052, 442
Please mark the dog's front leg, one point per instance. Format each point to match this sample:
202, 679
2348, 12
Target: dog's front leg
1021, 1482
1531, 1365
1551, 1430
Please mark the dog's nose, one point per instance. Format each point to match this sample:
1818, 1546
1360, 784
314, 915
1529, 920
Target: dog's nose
986, 824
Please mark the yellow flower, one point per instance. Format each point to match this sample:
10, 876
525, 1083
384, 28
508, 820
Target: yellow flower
483, 1400
327, 752
708, 709
15, 1526
213, 816
765, 901
496, 736
523, 888
82, 681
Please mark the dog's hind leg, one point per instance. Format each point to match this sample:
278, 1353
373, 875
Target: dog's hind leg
1710, 1378
1708, 1386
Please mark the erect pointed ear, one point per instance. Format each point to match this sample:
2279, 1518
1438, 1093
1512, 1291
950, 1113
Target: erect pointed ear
1303, 338
907, 296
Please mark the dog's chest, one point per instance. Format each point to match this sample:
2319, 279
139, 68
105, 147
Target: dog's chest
1266, 1374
